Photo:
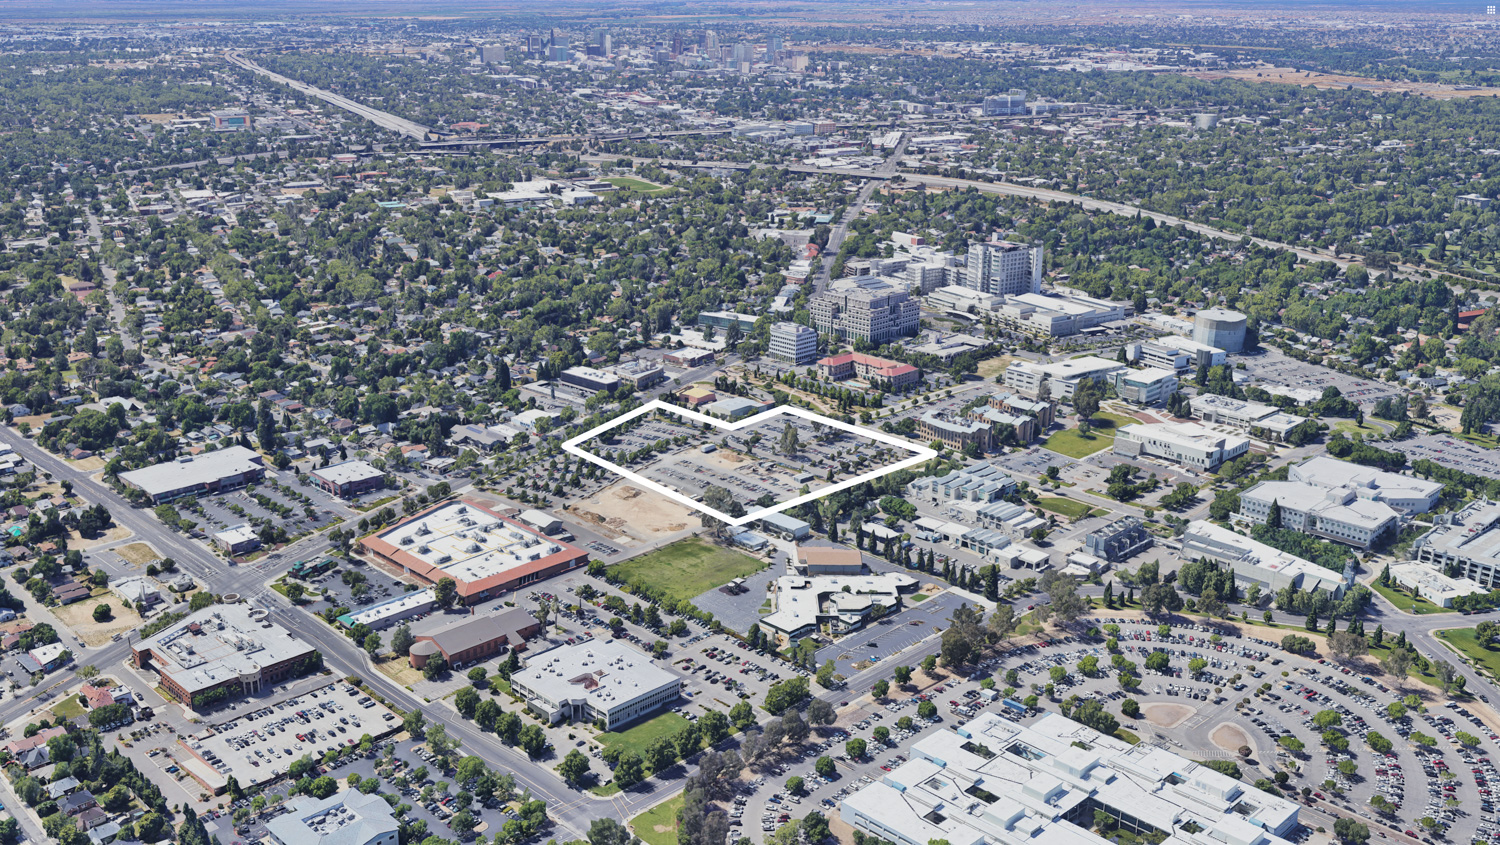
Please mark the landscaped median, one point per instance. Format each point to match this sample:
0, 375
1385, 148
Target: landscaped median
1481, 656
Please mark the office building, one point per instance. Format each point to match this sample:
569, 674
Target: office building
803, 605
485, 553
785, 527
893, 375
955, 432
977, 483
1255, 563
470, 639
1119, 540
993, 781
1477, 201
225, 646
793, 343
1220, 328
209, 472
877, 314
961, 300
1188, 444
238, 539
1465, 544
734, 407
344, 818
1045, 413
590, 379
598, 681
392, 611
1431, 584
722, 320
492, 54
1059, 314
1023, 426
1262, 421
1057, 381
1340, 501
1201, 353
1406, 494
1144, 387
640, 373
1003, 268
1008, 104
348, 479
229, 120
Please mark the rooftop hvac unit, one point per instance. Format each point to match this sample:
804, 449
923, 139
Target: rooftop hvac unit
407, 540
423, 549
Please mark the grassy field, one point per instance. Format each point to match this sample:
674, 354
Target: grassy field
138, 554
1069, 442
634, 184
1075, 445
687, 568
68, 708
1348, 427
658, 825
638, 737
1463, 641
1064, 507
1404, 602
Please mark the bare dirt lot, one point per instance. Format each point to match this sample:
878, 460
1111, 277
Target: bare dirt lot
1230, 737
79, 617
1166, 715
113, 535
139, 554
1292, 76
632, 512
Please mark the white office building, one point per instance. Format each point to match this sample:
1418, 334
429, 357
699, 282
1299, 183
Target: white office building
1004, 268
1340, 501
1188, 444
1262, 421
1468, 541
992, 781
868, 309
1058, 313
803, 604
1144, 387
793, 343
1255, 563
600, 680
1059, 379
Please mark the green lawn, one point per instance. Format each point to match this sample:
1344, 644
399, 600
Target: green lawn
920, 597
1066, 507
1405, 603
1366, 430
1069, 442
638, 737
1108, 423
658, 825
686, 569
1463, 641
68, 708
633, 184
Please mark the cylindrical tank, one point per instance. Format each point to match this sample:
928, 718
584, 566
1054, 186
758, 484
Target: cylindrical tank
1222, 328
420, 653
1205, 122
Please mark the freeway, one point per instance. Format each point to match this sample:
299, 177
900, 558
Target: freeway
383, 119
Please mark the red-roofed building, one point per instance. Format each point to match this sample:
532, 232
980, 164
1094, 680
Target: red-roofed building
30, 742
486, 554
104, 696
1467, 317
869, 368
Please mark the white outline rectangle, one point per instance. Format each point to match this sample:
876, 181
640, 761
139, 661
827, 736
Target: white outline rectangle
922, 455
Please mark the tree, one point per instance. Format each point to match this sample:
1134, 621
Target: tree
825, 767
441, 744
815, 827
402, 640
661, 754
794, 785
102, 612
1397, 663
902, 675
445, 592
1131, 708
606, 831
629, 771
574, 767
855, 748
532, 740
1351, 832
372, 644
788, 444
819, 712
1447, 675
880, 688
1325, 719
1347, 645
415, 724
466, 701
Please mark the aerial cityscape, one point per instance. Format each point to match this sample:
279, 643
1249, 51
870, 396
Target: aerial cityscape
786, 423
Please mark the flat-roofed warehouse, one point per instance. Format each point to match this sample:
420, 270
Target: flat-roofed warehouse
223, 646
483, 552
593, 681
209, 472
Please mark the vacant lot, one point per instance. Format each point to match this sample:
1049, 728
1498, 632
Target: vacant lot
1064, 507
687, 568
634, 184
628, 511
79, 617
139, 554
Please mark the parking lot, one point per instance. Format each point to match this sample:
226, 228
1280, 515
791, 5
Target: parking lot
892, 635
258, 746
1031, 463
1451, 452
286, 500
353, 585
1273, 369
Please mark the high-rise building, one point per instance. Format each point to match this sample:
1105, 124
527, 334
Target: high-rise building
1010, 103
492, 54
676, 44
773, 47
793, 343
875, 314
711, 43
1003, 268
1220, 327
